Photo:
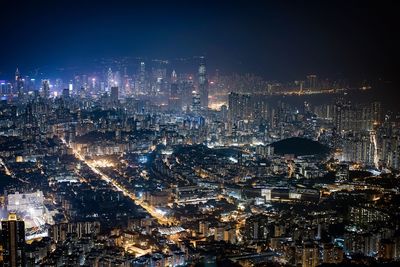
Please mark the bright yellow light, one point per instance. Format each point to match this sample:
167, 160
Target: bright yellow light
216, 105
102, 163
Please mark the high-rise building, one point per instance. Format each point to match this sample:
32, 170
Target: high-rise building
17, 74
174, 100
324, 111
13, 239
142, 78
311, 82
174, 77
239, 108
196, 102
204, 228
256, 228
186, 89
203, 84
114, 93
310, 256
117, 79
361, 117
110, 79
342, 173
3, 87
230, 235
376, 112
46, 88
65, 93
387, 250
332, 254
359, 147
19, 83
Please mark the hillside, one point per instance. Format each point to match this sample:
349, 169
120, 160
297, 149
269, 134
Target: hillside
299, 147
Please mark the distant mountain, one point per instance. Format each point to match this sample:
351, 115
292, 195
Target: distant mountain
299, 147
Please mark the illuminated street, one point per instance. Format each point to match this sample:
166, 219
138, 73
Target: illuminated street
159, 217
199, 133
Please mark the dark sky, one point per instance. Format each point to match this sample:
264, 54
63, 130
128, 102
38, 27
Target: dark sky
276, 39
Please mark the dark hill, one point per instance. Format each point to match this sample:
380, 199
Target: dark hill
299, 147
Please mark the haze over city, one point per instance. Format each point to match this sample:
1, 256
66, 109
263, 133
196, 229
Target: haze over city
277, 40
208, 133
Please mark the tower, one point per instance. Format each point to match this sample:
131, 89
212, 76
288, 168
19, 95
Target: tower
110, 80
310, 257
256, 228
46, 88
203, 84
174, 77
196, 102
312, 82
17, 75
114, 93
19, 83
13, 238
240, 108
174, 100
65, 93
142, 77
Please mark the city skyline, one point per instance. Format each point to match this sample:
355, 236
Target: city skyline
279, 41
208, 133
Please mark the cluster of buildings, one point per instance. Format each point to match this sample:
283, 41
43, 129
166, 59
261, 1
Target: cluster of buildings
157, 168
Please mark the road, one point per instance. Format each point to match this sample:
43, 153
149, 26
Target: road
161, 219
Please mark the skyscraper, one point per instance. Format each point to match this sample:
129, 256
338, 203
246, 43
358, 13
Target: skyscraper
196, 102
46, 88
310, 257
312, 82
19, 83
13, 239
65, 93
110, 79
256, 227
203, 84
239, 108
17, 74
114, 93
142, 78
174, 100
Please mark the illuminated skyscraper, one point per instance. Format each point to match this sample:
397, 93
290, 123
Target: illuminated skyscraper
310, 255
203, 84
19, 83
239, 108
3, 87
46, 88
110, 79
13, 239
174, 77
332, 254
196, 102
17, 74
142, 78
174, 100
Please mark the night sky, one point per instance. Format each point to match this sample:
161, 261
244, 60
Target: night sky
280, 40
